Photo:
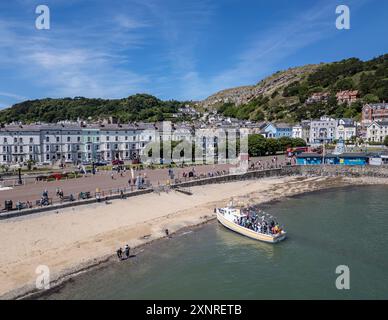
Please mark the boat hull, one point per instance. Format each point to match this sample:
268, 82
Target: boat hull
250, 233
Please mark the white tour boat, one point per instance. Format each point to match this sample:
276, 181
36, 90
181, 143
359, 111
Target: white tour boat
235, 219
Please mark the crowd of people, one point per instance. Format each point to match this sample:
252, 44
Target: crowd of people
268, 164
258, 223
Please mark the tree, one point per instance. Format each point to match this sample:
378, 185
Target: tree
386, 141
257, 145
298, 142
285, 142
345, 84
273, 145
30, 163
370, 98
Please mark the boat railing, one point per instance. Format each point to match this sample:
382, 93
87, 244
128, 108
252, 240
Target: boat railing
260, 232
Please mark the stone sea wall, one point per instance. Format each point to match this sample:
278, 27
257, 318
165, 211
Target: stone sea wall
345, 171
318, 170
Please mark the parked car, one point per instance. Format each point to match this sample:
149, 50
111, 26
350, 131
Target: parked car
117, 162
101, 163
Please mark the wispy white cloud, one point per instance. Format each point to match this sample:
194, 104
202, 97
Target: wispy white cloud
11, 95
74, 59
130, 22
259, 55
105, 55
271, 46
182, 29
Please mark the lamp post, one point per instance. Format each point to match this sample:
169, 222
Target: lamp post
20, 176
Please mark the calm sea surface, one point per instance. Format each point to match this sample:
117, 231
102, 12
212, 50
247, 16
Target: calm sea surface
339, 227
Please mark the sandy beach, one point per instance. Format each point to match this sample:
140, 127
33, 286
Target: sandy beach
74, 239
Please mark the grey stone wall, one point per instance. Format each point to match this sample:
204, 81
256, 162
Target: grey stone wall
318, 170
345, 171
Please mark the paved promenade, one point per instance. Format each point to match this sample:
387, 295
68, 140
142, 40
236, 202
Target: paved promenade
103, 180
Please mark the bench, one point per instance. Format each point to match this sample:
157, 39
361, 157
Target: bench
84, 195
67, 198
46, 203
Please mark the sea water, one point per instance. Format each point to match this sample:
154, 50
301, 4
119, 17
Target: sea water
327, 229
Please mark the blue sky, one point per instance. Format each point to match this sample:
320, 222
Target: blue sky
174, 49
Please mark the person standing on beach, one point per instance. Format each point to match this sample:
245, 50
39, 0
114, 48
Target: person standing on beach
127, 248
120, 254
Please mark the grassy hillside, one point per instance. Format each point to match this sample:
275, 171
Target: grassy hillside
139, 107
282, 96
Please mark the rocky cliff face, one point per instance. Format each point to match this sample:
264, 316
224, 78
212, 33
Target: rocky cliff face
267, 86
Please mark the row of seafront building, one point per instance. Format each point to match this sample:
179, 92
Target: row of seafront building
72, 143
373, 127
83, 142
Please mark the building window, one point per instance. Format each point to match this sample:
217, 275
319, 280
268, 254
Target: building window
57, 139
15, 140
68, 139
78, 139
31, 140
5, 140
47, 139
116, 138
